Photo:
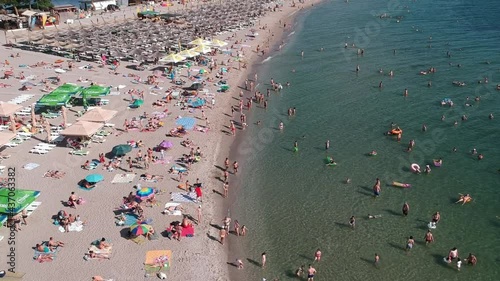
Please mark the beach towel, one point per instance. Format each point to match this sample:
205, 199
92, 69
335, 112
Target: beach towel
179, 169
130, 219
187, 122
175, 212
96, 250
138, 240
187, 231
123, 178
155, 260
31, 166
183, 197
76, 226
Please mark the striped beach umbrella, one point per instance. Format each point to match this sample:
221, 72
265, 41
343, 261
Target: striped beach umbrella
145, 193
139, 229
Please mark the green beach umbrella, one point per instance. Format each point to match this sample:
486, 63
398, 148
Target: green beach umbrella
121, 149
13, 202
137, 103
95, 91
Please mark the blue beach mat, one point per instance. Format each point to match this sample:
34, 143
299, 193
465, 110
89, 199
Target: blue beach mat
187, 122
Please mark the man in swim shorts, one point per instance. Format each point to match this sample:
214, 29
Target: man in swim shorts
310, 273
429, 238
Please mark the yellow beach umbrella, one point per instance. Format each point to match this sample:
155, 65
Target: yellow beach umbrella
199, 41
174, 58
189, 53
202, 49
218, 43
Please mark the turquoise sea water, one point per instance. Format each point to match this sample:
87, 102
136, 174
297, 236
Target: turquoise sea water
293, 203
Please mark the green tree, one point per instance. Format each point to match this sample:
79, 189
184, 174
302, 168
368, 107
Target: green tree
44, 4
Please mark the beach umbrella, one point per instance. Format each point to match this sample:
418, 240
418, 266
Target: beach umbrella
166, 144
137, 103
139, 229
145, 193
121, 149
189, 53
199, 41
173, 58
202, 49
94, 178
218, 43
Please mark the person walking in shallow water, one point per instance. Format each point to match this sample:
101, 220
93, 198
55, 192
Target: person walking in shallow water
327, 144
406, 209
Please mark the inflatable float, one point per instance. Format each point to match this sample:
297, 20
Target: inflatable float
400, 184
373, 153
330, 161
437, 162
432, 225
396, 131
295, 149
415, 168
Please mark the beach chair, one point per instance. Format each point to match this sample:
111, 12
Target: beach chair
58, 139
102, 133
46, 144
43, 147
14, 142
32, 207
98, 139
2, 169
39, 151
109, 125
80, 152
50, 115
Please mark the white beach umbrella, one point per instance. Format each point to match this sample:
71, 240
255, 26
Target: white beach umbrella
173, 58
199, 41
202, 49
189, 53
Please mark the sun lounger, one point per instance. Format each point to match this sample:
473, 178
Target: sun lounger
98, 139
14, 142
32, 207
43, 147
103, 133
39, 151
50, 115
20, 113
58, 139
46, 144
5, 156
2, 169
79, 152
109, 125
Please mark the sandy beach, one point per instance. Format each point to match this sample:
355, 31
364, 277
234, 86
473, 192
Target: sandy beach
201, 257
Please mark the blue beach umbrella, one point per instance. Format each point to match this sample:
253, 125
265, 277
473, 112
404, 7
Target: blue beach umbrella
94, 178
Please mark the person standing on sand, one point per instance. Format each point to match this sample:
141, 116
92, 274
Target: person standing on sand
226, 163
317, 255
264, 259
225, 186
243, 230
199, 214
429, 238
222, 235
236, 228
406, 209
235, 167
226, 175
310, 273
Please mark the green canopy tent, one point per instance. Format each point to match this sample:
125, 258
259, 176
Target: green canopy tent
3, 219
20, 199
95, 91
60, 96
68, 89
